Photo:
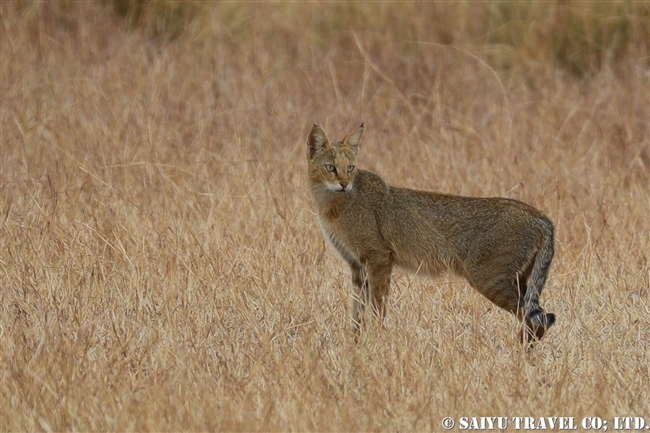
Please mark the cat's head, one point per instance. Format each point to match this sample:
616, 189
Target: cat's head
332, 165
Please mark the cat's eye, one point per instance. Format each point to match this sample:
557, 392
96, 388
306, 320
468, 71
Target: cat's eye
330, 168
350, 168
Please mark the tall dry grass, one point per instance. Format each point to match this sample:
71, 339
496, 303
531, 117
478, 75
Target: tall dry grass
161, 267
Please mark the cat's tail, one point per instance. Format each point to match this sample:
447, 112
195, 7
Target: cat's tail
536, 320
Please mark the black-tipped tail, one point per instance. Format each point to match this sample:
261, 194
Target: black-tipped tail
540, 319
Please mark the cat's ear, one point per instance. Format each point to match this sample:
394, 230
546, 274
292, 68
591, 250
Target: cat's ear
317, 140
353, 140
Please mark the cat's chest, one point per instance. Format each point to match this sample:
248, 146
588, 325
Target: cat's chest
337, 238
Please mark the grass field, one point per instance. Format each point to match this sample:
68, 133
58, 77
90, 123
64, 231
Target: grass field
161, 265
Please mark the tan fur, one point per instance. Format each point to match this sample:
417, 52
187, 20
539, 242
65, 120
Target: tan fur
502, 247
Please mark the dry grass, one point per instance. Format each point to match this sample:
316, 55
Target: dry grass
161, 267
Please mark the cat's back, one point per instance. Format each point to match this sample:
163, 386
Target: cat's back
368, 183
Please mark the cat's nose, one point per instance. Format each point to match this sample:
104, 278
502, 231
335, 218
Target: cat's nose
344, 184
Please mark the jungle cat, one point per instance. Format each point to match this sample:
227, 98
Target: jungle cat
502, 247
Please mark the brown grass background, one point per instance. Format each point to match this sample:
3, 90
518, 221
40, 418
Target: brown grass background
161, 266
